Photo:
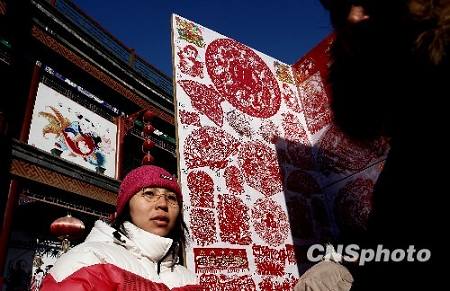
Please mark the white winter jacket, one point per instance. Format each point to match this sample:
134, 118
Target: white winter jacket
117, 262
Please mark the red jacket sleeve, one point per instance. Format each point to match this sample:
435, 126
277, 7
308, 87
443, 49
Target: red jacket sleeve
94, 277
107, 277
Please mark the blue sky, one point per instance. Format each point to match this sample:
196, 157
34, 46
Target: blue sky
285, 30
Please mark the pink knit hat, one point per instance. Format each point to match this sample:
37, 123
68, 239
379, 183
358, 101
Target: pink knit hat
145, 176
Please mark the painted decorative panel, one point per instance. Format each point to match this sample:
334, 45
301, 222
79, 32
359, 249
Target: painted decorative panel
68, 130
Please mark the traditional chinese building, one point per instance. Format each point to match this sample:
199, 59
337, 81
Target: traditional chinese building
75, 116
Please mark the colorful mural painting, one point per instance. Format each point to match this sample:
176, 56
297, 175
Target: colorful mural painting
260, 162
68, 130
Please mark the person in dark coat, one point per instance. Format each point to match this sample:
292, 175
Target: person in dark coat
389, 77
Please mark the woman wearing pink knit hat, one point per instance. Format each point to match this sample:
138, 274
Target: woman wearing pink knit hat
139, 250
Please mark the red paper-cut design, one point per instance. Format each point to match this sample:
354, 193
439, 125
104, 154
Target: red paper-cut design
269, 131
239, 123
318, 60
234, 180
315, 103
188, 62
211, 260
260, 166
243, 78
339, 153
205, 99
291, 98
190, 32
201, 186
270, 221
353, 204
299, 217
203, 226
283, 72
234, 220
222, 282
298, 144
189, 118
209, 146
270, 284
304, 69
290, 254
269, 261
301, 182
380, 147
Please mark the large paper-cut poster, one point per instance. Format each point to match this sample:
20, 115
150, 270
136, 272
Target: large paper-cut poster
234, 107
259, 161
66, 129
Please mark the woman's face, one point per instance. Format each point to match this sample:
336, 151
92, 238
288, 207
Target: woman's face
154, 210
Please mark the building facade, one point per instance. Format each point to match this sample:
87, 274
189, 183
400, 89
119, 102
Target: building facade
71, 125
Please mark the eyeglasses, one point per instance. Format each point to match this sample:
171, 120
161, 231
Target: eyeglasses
152, 197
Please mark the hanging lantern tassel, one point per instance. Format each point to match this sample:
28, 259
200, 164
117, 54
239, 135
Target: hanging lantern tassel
65, 245
67, 228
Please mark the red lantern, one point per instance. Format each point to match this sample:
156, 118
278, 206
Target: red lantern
147, 145
148, 116
148, 159
67, 227
148, 129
